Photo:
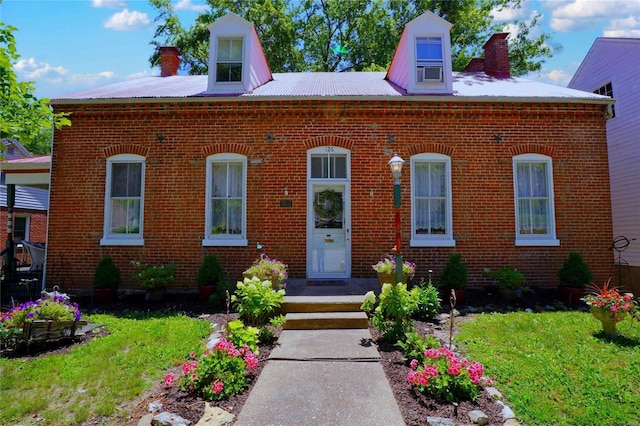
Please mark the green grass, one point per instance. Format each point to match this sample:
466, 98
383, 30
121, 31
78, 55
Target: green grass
95, 379
557, 368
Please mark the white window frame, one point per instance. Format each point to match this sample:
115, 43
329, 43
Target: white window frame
550, 238
218, 240
108, 238
423, 63
243, 62
421, 240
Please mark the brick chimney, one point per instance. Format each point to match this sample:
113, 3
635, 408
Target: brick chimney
169, 61
496, 56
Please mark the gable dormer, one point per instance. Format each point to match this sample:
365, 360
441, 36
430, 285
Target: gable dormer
422, 61
237, 63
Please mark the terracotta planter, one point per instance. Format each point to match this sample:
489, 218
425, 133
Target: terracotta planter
608, 322
105, 295
205, 292
460, 293
571, 296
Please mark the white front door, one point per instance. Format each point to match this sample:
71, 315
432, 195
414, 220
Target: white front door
328, 215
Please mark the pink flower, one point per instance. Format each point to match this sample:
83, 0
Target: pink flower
168, 380
414, 364
217, 387
251, 360
189, 366
192, 355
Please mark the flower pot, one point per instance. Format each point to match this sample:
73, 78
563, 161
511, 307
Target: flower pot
390, 278
205, 292
105, 295
460, 293
571, 296
608, 321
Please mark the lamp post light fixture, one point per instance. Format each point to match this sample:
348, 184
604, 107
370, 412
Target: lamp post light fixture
396, 170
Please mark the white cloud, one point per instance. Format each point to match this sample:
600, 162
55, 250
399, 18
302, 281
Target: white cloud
126, 20
586, 14
187, 5
624, 27
508, 14
109, 3
557, 77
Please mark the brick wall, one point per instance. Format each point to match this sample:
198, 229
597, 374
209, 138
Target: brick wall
482, 181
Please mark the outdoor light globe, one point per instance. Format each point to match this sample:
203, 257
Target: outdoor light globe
396, 166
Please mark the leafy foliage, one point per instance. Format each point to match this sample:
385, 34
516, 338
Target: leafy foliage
507, 277
574, 271
210, 272
454, 275
256, 300
153, 276
268, 269
107, 274
240, 335
392, 316
428, 301
415, 345
356, 35
22, 115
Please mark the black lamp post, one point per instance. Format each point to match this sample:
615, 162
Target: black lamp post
396, 170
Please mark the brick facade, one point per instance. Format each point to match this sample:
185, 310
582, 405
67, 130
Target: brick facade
37, 226
482, 180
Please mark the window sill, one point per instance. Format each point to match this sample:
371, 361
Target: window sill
122, 242
240, 242
552, 242
432, 243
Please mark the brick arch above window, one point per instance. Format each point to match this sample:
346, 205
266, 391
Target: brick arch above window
110, 151
436, 148
233, 148
329, 141
531, 148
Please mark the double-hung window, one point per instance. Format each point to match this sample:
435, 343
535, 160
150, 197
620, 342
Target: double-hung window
533, 182
429, 60
124, 200
226, 206
431, 218
229, 60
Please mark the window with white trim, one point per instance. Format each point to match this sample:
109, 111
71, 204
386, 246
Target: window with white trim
229, 60
607, 90
429, 60
226, 208
431, 218
124, 200
534, 206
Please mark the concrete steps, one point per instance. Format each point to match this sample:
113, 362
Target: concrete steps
324, 312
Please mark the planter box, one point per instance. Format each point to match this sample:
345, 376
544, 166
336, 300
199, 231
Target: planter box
41, 330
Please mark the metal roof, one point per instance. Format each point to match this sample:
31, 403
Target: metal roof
466, 86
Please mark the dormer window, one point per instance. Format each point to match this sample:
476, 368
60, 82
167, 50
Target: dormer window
229, 60
429, 59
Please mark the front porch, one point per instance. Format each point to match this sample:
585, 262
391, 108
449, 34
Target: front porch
331, 287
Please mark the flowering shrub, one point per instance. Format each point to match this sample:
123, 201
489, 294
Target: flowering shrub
255, 300
445, 376
268, 269
388, 266
392, 316
608, 298
154, 276
56, 309
220, 372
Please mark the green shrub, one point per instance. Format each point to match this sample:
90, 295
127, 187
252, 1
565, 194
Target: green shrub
507, 278
153, 276
210, 272
392, 316
240, 335
256, 300
428, 301
454, 275
415, 344
575, 272
107, 274
267, 332
219, 297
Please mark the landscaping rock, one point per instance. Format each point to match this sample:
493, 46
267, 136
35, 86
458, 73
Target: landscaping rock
214, 416
495, 393
146, 420
511, 422
506, 412
155, 407
478, 417
439, 421
169, 419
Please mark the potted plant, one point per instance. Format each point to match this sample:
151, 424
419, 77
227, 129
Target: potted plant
209, 276
106, 279
509, 280
610, 307
268, 269
574, 276
454, 277
386, 270
154, 279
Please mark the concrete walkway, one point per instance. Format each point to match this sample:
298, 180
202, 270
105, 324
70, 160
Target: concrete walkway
322, 377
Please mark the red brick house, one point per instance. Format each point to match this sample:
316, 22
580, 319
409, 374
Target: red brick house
504, 170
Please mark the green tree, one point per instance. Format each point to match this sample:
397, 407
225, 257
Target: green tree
23, 116
337, 35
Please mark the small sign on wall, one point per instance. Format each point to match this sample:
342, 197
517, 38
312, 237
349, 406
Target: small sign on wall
286, 203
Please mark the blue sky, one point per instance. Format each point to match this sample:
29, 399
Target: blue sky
69, 45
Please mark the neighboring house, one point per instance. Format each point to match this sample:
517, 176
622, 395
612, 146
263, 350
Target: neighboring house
506, 171
612, 68
31, 203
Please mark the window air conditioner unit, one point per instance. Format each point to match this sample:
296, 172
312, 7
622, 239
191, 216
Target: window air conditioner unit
431, 73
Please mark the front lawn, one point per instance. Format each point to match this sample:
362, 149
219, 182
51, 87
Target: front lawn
96, 379
557, 368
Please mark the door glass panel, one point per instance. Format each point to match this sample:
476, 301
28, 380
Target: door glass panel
328, 248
